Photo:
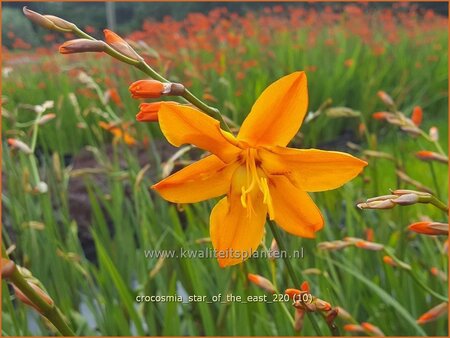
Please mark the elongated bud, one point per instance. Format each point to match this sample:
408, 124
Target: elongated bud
322, 305
369, 246
425, 155
341, 112
372, 329
389, 261
353, 328
148, 112
24, 299
433, 314
82, 46
416, 116
385, 204
434, 134
333, 245
430, 228
387, 100
150, 89
343, 314
46, 118
49, 21
411, 130
262, 282
381, 115
19, 145
120, 45
8, 267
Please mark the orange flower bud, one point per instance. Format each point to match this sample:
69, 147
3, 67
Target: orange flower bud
381, 115
433, 314
343, 314
82, 46
425, 155
148, 89
19, 145
120, 45
353, 328
429, 228
389, 261
416, 116
322, 305
262, 282
49, 21
387, 100
369, 246
45, 118
372, 329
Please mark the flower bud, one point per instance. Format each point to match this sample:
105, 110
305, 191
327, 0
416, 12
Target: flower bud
425, 155
262, 282
433, 314
353, 328
387, 100
82, 46
45, 118
372, 329
19, 145
49, 21
416, 115
381, 115
343, 314
149, 89
369, 245
384, 204
429, 228
120, 45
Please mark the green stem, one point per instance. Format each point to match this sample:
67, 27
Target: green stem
290, 269
51, 312
435, 181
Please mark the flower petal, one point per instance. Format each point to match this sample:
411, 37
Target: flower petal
311, 169
182, 124
278, 113
235, 231
295, 211
204, 179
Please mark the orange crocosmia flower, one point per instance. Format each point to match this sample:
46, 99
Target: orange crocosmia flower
118, 132
256, 171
